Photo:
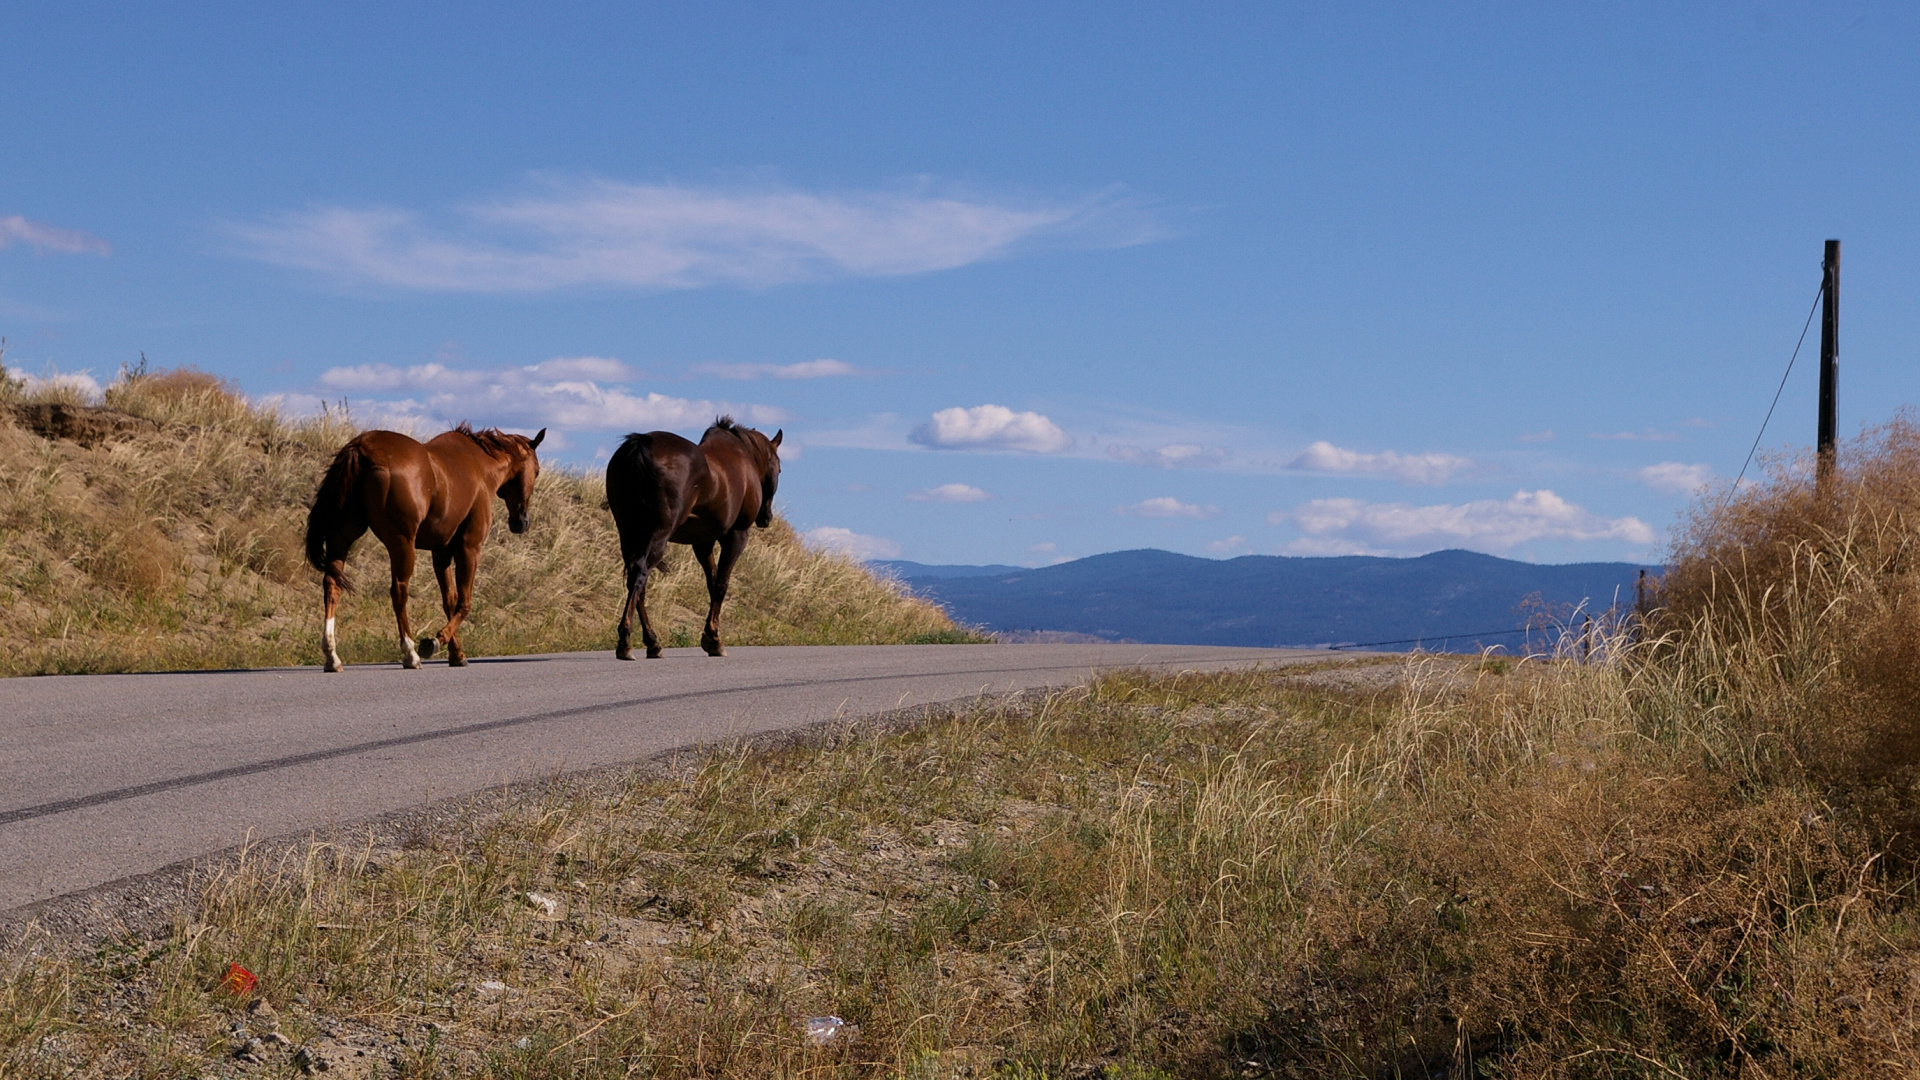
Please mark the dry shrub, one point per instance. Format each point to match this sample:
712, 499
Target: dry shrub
1796, 607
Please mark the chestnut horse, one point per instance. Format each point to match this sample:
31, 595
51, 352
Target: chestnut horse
436, 495
663, 488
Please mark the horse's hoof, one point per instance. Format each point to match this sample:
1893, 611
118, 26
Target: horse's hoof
332, 666
653, 652
411, 663
456, 661
427, 646
715, 650
623, 654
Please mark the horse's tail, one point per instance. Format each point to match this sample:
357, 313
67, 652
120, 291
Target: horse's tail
632, 473
635, 492
332, 502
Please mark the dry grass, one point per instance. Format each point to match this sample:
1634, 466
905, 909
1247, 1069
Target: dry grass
1544, 872
1648, 866
181, 548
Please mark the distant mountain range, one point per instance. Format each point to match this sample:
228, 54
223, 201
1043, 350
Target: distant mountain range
1455, 601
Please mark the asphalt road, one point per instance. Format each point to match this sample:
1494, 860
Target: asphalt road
104, 777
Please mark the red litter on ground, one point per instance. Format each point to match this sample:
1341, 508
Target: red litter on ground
239, 980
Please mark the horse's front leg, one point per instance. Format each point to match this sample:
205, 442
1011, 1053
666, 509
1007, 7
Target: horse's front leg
449, 592
466, 561
401, 553
731, 545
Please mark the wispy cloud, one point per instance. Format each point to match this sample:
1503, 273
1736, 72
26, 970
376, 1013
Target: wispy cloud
668, 236
1330, 460
991, 427
566, 392
1676, 478
1171, 456
1228, 546
1538, 436
848, 542
43, 238
1643, 435
1350, 526
1166, 506
808, 369
951, 493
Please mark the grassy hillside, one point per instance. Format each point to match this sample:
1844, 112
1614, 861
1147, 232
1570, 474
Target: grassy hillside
173, 541
1691, 857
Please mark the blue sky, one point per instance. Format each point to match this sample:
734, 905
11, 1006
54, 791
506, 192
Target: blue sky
1021, 282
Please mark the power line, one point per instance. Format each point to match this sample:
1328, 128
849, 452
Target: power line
1817, 293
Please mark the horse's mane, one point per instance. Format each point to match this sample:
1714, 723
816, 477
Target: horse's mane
493, 440
721, 423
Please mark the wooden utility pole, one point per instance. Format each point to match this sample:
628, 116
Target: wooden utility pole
1829, 359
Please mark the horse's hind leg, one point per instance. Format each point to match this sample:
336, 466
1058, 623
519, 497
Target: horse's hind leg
638, 571
401, 554
636, 598
731, 545
331, 586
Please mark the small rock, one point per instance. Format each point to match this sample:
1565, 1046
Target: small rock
309, 1062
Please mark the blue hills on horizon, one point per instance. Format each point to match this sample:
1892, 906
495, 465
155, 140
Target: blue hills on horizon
1448, 601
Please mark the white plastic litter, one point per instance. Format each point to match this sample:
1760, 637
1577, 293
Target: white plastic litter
822, 1030
548, 904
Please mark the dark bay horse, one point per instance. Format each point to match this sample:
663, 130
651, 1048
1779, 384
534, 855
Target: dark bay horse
663, 488
436, 495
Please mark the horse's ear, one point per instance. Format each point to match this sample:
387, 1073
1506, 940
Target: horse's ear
536, 439
776, 437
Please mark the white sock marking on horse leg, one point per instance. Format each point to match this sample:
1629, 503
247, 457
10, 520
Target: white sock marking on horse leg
327, 642
413, 656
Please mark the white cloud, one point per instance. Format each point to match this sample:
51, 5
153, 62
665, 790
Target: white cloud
1538, 436
1677, 478
1230, 544
667, 236
847, 542
950, 493
1166, 506
1350, 526
1046, 548
991, 427
47, 238
80, 383
1171, 456
1431, 468
807, 369
565, 392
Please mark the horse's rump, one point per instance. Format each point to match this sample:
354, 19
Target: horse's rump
334, 504
650, 480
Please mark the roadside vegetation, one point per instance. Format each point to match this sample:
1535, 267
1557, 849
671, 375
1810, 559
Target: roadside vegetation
1688, 857
164, 532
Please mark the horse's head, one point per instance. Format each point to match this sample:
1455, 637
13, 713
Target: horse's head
769, 479
518, 489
